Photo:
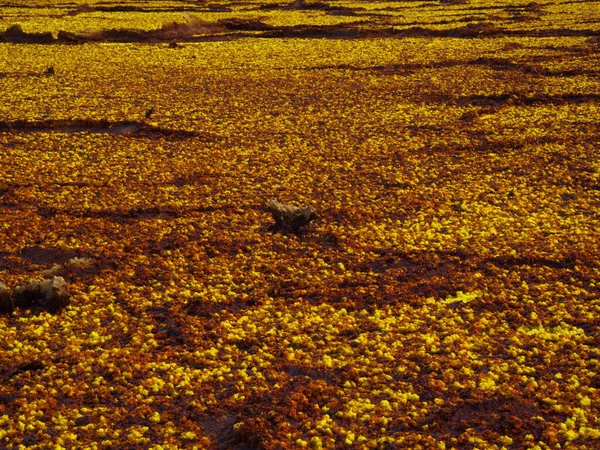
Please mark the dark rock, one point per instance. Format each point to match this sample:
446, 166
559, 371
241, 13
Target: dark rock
51, 294
245, 24
290, 217
15, 33
6, 302
68, 37
80, 9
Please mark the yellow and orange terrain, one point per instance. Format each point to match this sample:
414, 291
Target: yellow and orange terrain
448, 295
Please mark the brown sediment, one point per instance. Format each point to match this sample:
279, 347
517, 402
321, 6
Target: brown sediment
228, 29
125, 127
527, 99
501, 415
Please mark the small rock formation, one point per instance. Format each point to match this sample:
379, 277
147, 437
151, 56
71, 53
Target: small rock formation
297, 4
6, 302
50, 294
80, 9
74, 267
289, 217
15, 33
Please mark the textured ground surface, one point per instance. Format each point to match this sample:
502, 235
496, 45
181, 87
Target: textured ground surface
447, 297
